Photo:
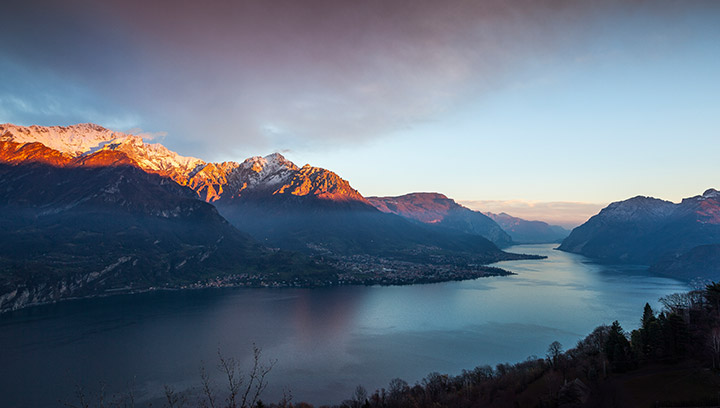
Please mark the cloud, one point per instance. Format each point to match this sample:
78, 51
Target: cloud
37, 96
564, 213
322, 72
156, 137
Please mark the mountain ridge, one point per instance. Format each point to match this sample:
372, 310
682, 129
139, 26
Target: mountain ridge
650, 231
524, 231
212, 181
269, 197
439, 210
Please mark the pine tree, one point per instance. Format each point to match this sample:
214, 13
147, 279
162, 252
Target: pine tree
617, 348
648, 316
649, 334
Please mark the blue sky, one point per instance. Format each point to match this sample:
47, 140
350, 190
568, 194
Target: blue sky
487, 101
635, 112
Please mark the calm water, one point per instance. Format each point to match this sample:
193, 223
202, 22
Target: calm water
325, 341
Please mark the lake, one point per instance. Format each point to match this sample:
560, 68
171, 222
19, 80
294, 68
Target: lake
326, 341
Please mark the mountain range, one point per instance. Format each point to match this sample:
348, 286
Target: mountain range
529, 232
436, 209
97, 224
680, 240
88, 211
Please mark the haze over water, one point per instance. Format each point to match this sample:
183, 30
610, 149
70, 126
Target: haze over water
326, 341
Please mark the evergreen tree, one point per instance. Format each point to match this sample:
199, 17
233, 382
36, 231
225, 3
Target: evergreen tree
648, 334
648, 316
712, 295
617, 349
675, 335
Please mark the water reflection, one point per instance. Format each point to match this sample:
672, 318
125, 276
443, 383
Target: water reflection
326, 314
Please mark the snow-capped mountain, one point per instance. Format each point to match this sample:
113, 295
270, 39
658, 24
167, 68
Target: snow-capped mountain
283, 205
87, 139
650, 231
256, 176
264, 172
73, 140
155, 158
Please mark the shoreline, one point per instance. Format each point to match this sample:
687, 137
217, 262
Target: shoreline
484, 272
356, 270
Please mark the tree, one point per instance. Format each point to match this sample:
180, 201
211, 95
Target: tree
554, 351
648, 316
712, 295
398, 389
594, 343
645, 341
675, 336
360, 397
675, 302
678, 303
243, 391
617, 348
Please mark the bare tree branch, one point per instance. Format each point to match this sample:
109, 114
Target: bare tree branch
174, 400
230, 368
207, 387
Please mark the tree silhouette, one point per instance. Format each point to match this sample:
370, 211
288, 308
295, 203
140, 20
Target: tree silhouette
554, 351
617, 348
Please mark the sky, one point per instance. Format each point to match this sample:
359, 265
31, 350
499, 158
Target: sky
557, 107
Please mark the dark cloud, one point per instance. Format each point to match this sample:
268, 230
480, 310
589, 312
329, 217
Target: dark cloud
279, 74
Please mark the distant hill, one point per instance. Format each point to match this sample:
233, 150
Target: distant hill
438, 210
529, 232
675, 239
